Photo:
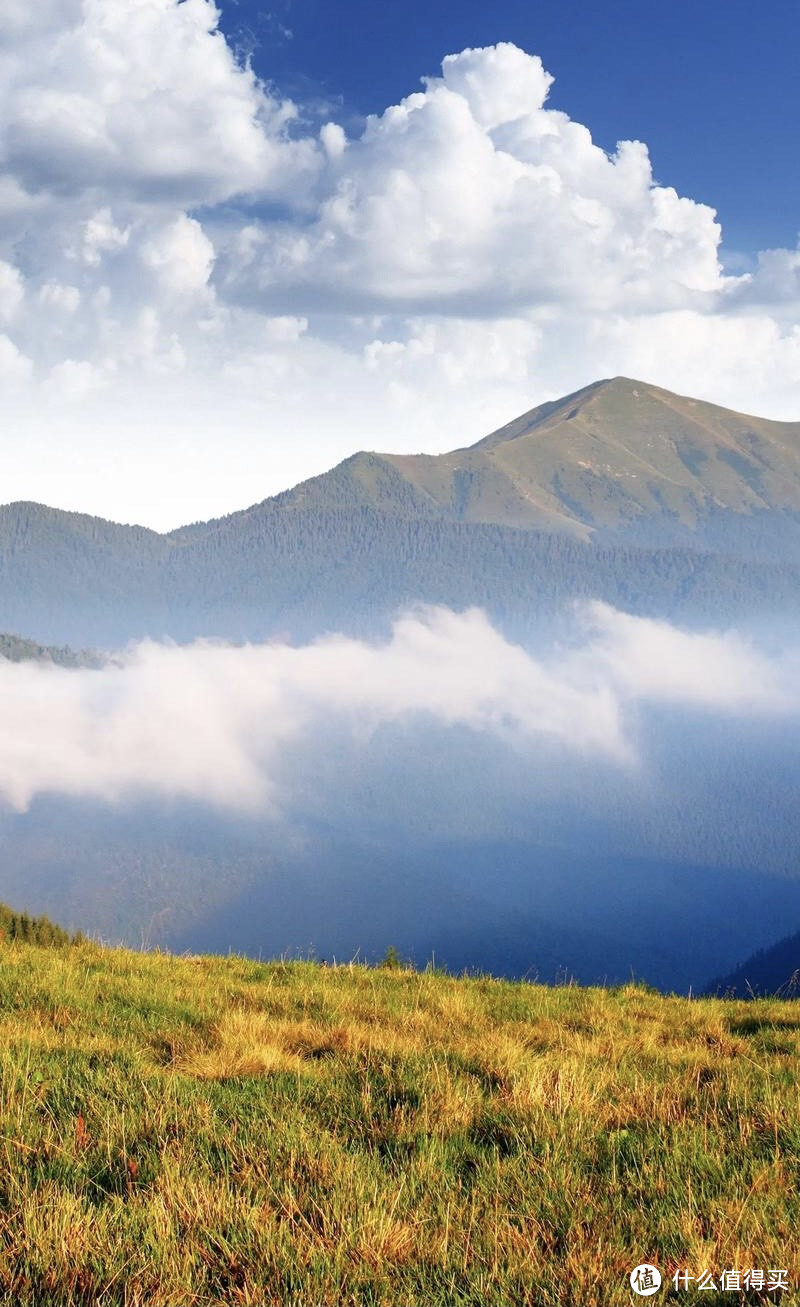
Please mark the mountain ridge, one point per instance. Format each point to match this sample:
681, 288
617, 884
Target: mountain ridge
773, 971
539, 493
616, 450
657, 503
345, 552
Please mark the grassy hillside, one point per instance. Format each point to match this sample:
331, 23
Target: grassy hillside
607, 455
203, 1130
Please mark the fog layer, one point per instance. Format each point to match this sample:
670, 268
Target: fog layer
213, 723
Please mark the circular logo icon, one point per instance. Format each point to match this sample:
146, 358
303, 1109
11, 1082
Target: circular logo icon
645, 1279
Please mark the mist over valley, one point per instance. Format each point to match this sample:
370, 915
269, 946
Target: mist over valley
530, 707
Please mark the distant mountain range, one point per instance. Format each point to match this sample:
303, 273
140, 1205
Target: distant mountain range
16, 649
767, 972
622, 491
438, 841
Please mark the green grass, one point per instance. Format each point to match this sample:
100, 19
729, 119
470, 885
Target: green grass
179, 1131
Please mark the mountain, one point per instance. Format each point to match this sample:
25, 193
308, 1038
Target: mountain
659, 504
17, 649
602, 458
768, 971
434, 838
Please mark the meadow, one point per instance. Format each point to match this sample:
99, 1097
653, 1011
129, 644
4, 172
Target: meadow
187, 1131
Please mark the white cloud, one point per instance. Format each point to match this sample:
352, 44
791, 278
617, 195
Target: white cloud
15, 368
181, 256
100, 236
501, 84
139, 97
749, 361
55, 295
471, 253
213, 723
12, 291
654, 661
473, 195
73, 380
775, 281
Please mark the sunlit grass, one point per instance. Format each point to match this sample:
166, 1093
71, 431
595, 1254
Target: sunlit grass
208, 1130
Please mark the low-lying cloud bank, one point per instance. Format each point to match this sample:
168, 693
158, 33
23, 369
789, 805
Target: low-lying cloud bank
212, 723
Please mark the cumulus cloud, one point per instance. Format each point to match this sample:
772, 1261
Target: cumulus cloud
472, 196
12, 291
212, 723
142, 98
15, 368
165, 217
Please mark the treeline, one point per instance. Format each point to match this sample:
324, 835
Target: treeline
771, 972
34, 930
300, 571
16, 649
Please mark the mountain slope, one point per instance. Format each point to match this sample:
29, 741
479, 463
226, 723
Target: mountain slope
769, 971
660, 504
621, 448
300, 573
599, 458
17, 649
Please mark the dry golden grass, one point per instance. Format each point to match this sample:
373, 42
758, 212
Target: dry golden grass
205, 1130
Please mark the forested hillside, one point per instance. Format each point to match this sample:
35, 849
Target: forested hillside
286, 570
22, 928
657, 504
17, 649
518, 859
769, 971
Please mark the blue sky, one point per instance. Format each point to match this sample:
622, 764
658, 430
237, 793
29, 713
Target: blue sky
237, 245
710, 85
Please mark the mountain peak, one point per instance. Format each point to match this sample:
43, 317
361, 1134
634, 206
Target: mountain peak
616, 389
612, 453
617, 454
